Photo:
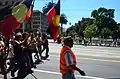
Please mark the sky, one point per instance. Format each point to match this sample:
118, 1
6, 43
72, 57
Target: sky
76, 9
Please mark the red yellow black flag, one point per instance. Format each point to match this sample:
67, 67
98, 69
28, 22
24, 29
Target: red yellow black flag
15, 16
54, 20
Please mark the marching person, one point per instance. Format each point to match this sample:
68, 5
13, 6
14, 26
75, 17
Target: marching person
68, 60
19, 55
45, 46
3, 69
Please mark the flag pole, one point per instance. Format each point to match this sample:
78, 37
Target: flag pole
52, 1
32, 13
23, 26
40, 26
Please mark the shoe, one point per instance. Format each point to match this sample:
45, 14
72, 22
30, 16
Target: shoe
37, 61
47, 56
30, 71
14, 78
12, 74
33, 66
44, 58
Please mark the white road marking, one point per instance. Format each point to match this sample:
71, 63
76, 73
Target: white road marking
57, 73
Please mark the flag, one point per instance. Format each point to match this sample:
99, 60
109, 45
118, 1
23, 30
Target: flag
15, 16
54, 20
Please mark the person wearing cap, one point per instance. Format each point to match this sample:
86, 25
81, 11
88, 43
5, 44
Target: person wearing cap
68, 60
45, 45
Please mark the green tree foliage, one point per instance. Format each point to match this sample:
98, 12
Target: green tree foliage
90, 31
63, 20
79, 28
116, 33
102, 24
104, 18
71, 30
105, 33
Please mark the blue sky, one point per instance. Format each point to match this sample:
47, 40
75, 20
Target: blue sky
76, 9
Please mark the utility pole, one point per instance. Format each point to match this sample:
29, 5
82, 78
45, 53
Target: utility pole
32, 13
52, 1
40, 30
23, 27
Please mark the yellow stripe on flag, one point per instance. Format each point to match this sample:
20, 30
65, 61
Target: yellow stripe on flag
56, 20
19, 12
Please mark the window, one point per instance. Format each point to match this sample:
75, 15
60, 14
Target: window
12, 2
0, 3
6, 2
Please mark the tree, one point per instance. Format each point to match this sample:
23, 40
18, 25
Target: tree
47, 7
116, 33
105, 33
82, 26
63, 20
104, 18
90, 31
71, 30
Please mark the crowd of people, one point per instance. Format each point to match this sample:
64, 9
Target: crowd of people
18, 50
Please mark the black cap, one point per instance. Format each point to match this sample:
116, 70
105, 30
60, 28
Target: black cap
68, 39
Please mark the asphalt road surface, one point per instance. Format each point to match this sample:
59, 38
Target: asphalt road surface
97, 62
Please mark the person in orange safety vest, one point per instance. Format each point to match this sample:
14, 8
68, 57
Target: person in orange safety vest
68, 60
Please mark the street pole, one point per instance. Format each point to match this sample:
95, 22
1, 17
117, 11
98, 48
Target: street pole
23, 24
40, 26
32, 13
52, 1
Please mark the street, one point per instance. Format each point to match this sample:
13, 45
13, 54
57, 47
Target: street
97, 62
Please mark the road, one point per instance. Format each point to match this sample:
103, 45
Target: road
97, 62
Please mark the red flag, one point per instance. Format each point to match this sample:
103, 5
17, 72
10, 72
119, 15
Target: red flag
8, 26
17, 15
54, 20
28, 14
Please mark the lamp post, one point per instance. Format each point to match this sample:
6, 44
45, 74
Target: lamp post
52, 1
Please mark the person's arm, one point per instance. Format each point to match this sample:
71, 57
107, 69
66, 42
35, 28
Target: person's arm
78, 69
69, 62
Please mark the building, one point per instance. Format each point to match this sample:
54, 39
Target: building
4, 3
39, 21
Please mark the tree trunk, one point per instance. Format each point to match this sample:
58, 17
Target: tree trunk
90, 40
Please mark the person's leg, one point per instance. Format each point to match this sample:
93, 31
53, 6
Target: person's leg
39, 50
42, 57
69, 75
22, 68
11, 63
43, 49
30, 58
27, 60
47, 51
16, 67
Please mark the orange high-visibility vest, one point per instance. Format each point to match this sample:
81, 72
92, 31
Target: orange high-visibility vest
64, 69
